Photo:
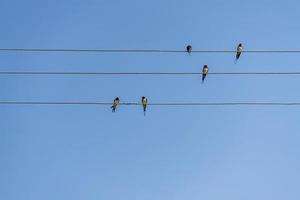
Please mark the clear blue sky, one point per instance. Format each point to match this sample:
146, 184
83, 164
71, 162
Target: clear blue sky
89, 153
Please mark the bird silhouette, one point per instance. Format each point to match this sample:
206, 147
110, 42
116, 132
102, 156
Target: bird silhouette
189, 49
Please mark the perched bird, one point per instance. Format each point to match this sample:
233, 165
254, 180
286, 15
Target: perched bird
115, 104
239, 51
204, 72
144, 103
189, 49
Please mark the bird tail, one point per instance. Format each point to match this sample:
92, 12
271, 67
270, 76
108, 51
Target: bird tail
203, 77
238, 56
113, 108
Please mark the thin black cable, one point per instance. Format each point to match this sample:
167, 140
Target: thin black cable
155, 104
143, 73
93, 50
141, 50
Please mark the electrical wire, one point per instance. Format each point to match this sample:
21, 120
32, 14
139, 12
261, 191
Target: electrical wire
154, 104
142, 50
143, 73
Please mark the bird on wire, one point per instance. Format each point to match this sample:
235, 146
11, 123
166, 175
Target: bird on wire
239, 51
144, 103
189, 49
204, 72
115, 104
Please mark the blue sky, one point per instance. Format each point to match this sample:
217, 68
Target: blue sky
87, 152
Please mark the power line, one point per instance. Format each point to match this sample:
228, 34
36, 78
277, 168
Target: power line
142, 50
154, 104
94, 50
143, 73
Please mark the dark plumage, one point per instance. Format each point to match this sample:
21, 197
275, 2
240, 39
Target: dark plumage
189, 49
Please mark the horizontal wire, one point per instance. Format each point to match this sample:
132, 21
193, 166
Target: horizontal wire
144, 73
142, 50
155, 104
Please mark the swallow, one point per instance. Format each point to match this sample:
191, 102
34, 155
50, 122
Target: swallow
189, 49
204, 72
239, 51
115, 104
144, 103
